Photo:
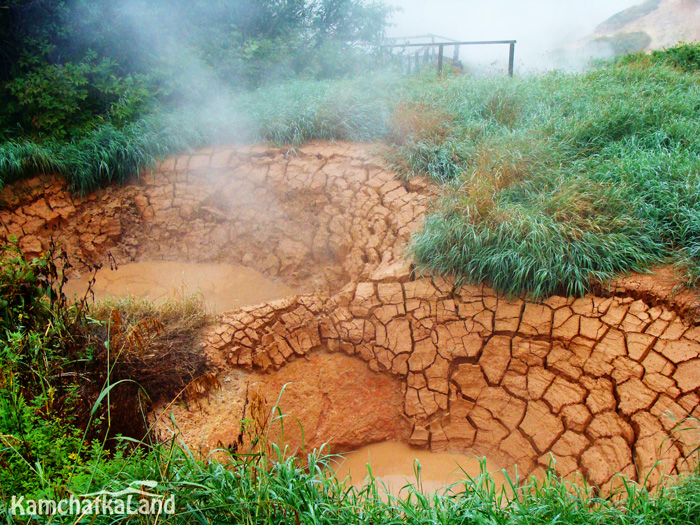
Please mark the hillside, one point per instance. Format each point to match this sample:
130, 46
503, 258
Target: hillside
654, 24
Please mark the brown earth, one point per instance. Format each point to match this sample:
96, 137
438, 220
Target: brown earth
598, 383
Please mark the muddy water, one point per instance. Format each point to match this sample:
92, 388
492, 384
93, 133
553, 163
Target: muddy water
223, 287
394, 463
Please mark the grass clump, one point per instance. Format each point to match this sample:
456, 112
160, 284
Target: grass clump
74, 377
559, 181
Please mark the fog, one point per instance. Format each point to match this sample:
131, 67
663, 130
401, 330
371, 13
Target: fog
543, 28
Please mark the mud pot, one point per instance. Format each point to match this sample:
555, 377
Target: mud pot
395, 465
222, 287
374, 352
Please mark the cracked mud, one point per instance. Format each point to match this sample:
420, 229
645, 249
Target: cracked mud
599, 383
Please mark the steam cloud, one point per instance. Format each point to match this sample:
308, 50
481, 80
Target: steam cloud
542, 27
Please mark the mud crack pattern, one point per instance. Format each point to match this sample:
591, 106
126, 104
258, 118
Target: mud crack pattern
599, 383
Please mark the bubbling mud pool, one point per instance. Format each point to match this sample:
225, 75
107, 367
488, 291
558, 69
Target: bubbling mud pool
394, 464
223, 286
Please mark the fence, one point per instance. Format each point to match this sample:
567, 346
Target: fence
441, 50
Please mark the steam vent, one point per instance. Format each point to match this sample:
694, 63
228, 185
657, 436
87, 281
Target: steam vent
372, 351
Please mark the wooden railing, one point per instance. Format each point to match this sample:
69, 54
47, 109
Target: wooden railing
441, 49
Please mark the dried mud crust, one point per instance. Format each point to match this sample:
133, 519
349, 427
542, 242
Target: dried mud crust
599, 383
315, 219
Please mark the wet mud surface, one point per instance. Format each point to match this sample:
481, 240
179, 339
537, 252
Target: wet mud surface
222, 287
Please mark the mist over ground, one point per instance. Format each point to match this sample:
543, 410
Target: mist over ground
541, 27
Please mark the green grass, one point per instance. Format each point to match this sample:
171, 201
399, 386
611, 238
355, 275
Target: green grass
551, 182
273, 488
291, 114
595, 175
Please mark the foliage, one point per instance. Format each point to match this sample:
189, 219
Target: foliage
70, 67
684, 56
580, 178
40, 353
57, 361
267, 485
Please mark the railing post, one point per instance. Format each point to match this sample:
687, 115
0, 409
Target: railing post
441, 53
511, 59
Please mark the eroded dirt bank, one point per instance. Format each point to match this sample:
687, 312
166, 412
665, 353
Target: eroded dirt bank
374, 351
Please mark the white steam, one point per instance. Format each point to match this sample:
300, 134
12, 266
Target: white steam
543, 28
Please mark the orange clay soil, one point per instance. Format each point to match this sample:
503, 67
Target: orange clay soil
599, 383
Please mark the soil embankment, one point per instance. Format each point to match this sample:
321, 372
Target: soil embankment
598, 383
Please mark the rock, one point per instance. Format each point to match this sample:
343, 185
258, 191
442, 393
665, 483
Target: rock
537, 320
519, 448
592, 328
531, 352
576, 417
601, 396
507, 316
638, 345
504, 407
612, 345
609, 424
562, 392
678, 351
570, 444
566, 324
538, 380
420, 436
30, 245
489, 432
390, 293
424, 354
459, 431
615, 314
